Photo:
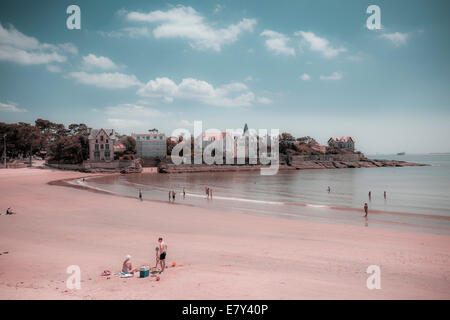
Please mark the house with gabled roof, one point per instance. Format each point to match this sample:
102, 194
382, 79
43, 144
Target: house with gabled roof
345, 143
101, 144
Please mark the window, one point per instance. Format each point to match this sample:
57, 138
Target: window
107, 154
101, 146
96, 147
107, 146
148, 138
107, 141
101, 138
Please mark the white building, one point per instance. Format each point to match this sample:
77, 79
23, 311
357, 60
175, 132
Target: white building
150, 145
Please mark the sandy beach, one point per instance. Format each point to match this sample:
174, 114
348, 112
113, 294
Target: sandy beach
224, 255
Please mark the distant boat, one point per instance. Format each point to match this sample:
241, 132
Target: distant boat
401, 154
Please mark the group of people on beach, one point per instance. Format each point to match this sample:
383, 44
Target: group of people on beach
370, 195
366, 206
161, 253
172, 194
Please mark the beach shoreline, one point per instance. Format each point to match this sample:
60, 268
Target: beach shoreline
225, 255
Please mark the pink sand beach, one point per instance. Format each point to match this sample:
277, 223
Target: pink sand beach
224, 255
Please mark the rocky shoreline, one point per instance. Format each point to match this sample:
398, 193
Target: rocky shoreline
299, 165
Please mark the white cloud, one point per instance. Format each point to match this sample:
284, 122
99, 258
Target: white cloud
318, 44
397, 38
186, 123
14, 38
355, 58
305, 77
69, 47
132, 32
9, 107
19, 48
92, 61
333, 76
125, 123
264, 100
53, 68
278, 43
234, 94
24, 57
106, 80
131, 116
129, 109
186, 23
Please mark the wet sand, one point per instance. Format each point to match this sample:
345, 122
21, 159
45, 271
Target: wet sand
225, 255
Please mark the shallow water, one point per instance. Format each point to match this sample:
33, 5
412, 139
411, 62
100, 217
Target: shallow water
417, 197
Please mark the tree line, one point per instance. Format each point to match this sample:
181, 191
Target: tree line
52, 140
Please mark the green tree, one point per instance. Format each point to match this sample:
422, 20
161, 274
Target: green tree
70, 149
286, 141
129, 143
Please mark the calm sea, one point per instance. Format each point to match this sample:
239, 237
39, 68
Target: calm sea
417, 197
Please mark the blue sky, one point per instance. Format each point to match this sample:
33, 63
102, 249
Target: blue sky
305, 67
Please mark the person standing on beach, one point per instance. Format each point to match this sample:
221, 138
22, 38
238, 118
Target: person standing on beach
366, 209
210, 194
207, 192
162, 254
370, 195
157, 256
140, 194
173, 195
184, 193
329, 189
385, 195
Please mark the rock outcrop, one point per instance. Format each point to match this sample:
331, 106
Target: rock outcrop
297, 165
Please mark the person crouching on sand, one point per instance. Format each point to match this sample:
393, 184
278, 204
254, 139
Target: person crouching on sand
366, 209
162, 254
127, 267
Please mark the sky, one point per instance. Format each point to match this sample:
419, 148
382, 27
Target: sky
303, 67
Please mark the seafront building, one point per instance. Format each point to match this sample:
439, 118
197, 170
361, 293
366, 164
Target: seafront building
345, 143
101, 144
150, 145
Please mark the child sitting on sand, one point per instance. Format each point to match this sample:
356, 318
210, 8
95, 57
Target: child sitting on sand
127, 267
8, 212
